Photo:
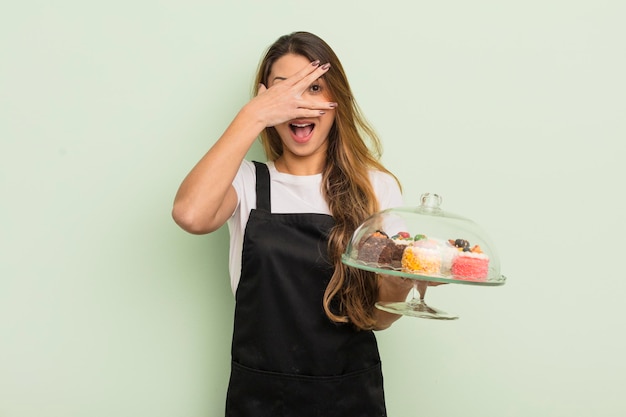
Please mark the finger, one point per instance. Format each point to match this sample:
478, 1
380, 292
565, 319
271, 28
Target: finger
316, 105
301, 74
305, 71
262, 88
314, 109
310, 78
305, 113
307, 74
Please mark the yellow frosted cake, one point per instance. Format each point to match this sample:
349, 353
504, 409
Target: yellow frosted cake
422, 257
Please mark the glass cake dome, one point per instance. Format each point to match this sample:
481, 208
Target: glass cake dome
426, 244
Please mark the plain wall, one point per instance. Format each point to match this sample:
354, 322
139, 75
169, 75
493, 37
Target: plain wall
514, 112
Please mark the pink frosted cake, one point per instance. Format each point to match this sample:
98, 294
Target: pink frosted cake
470, 263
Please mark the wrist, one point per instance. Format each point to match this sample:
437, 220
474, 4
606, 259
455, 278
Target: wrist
250, 120
254, 115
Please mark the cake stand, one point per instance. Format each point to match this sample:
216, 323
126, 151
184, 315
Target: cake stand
444, 248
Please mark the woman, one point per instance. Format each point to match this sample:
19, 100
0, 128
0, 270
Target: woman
303, 343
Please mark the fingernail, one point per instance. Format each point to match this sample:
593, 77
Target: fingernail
326, 66
315, 63
322, 112
332, 105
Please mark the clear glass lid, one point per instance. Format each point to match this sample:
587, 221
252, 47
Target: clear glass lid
425, 243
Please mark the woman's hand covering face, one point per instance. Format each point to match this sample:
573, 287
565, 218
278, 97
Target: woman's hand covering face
284, 100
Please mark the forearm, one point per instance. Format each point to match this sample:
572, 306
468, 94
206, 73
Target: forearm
206, 198
203, 199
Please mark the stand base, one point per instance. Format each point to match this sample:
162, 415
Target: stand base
415, 308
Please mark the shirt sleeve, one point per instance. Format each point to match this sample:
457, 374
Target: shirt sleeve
244, 185
387, 190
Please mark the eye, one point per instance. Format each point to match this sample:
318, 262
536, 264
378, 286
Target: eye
315, 88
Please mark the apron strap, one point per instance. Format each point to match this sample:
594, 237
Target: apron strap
262, 187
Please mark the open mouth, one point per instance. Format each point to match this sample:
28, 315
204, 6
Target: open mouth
302, 130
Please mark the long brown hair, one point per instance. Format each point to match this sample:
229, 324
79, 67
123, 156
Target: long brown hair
351, 293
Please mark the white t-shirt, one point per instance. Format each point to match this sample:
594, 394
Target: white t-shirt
290, 194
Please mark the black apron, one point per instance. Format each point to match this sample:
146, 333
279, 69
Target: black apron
288, 358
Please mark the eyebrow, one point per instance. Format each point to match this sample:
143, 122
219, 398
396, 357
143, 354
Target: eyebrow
284, 78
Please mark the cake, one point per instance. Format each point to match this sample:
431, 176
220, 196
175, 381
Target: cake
401, 240
379, 249
470, 263
422, 257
